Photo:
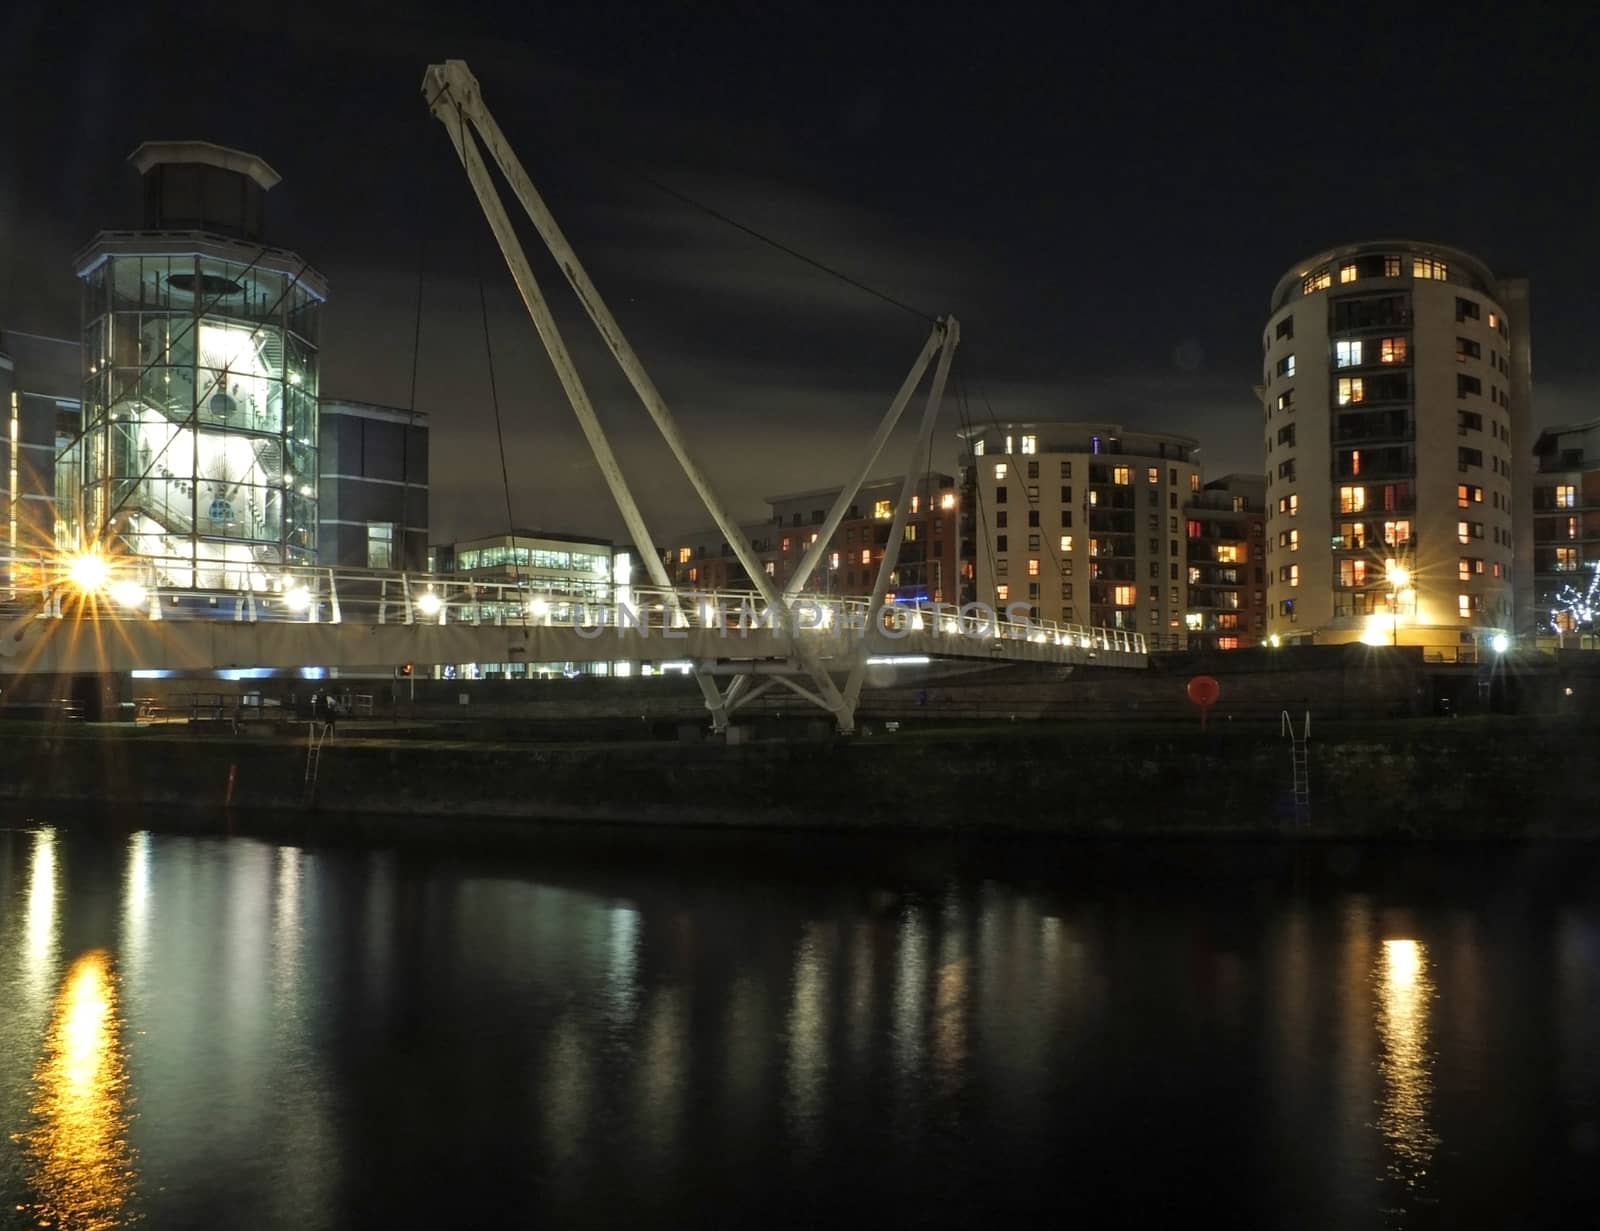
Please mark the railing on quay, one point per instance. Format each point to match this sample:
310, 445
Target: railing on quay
133, 588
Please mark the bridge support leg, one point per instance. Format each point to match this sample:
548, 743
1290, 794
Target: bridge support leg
831, 699
826, 697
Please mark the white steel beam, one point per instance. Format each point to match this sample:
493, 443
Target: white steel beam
914, 469
441, 88
808, 562
465, 93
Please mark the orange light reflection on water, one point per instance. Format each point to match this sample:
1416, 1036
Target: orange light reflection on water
80, 1163
1405, 995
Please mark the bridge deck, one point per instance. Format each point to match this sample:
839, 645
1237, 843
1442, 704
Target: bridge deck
366, 620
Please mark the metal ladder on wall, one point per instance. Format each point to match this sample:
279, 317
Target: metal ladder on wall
319, 735
1299, 758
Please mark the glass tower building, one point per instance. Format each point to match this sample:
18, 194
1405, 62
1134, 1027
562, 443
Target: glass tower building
200, 379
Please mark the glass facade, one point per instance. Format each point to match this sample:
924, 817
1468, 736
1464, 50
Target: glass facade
586, 564
200, 416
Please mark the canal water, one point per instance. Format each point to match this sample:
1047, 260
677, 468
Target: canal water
624, 1028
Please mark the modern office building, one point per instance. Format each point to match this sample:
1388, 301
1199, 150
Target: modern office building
1080, 522
926, 571
1226, 607
1395, 398
39, 423
1566, 527
372, 506
559, 576
200, 378
548, 565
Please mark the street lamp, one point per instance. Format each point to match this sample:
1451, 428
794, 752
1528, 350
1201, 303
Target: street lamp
1399, 578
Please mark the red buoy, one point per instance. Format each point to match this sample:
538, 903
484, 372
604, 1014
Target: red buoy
1203, 691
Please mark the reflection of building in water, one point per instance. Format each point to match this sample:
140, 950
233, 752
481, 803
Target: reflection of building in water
1404, 992
41, 919
808, 1031
81, 1166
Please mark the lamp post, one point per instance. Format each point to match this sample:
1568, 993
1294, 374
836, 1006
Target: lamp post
1399, 577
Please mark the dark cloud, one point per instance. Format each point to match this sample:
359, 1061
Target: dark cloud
1105, 201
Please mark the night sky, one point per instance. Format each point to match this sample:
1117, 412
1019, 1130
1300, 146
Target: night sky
1105, 202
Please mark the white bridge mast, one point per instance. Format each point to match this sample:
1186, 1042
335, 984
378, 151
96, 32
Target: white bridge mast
453, 96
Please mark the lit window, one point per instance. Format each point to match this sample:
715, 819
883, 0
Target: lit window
1229, 553
1320, 280
1008, 444
1286, 400
1464, 605
1002, 591
1066, 542
1397, 533
786, 543
866, 555
1347, 354
1463, 532
1494, 321
1286, 366
683, 555
1294, 574
1355, 461
1194, 481
916, 504
1392, 350
977, 448
1030, 444
833, 560
1033, 567
999, 471
883, 510
1391, 267
1572, 527
1352, 499
771, 568
1347, 273
1094, 496
1351, 390
947, 501
1566, 496
1294, 540
1464, 569
1566, 559
380, 544
1122, 475
1122, 596
1427, 267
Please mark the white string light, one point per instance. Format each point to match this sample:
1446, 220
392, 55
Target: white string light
1578, 607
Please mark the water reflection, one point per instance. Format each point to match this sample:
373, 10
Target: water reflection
81, 1166
1406, 1064
950, 999
40, 946
910, 981
808, 1044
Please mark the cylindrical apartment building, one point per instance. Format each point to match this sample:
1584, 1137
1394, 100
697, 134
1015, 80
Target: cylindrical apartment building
200, 388
1395, 397
1081, 522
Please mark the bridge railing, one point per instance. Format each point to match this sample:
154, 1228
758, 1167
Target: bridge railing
132, 588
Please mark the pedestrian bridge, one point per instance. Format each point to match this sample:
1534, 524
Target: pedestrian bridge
62, 619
